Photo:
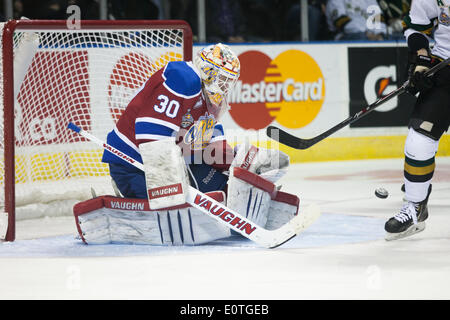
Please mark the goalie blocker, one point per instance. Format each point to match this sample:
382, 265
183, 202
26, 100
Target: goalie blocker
108, 219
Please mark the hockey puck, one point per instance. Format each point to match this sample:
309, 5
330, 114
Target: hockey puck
381, 193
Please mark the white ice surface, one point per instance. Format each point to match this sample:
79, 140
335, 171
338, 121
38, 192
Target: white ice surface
342, 256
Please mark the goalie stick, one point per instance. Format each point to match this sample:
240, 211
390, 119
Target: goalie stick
292, 141
224, 215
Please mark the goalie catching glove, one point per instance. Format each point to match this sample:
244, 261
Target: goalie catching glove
268, 163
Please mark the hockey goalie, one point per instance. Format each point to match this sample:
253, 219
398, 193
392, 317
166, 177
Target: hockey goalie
171, 127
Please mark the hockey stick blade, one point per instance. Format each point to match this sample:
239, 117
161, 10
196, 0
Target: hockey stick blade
223, 214
292, 141
297, 225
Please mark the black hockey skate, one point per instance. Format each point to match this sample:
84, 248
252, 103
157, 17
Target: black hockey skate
410, 220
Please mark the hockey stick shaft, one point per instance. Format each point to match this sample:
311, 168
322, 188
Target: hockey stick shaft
223, 214
299, 143
106, 146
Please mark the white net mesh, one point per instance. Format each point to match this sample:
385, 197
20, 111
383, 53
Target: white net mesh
82, 76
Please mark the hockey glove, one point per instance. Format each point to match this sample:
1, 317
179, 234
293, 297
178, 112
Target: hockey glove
418, 81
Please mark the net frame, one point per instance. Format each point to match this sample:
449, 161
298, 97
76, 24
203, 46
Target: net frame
7, 70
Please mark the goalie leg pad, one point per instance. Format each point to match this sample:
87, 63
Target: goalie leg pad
283, 208
108, 219
165, 173
259, 200
250, 195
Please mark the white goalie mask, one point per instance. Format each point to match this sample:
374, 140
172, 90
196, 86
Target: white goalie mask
219, 70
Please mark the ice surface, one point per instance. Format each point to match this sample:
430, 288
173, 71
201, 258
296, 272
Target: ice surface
342, 256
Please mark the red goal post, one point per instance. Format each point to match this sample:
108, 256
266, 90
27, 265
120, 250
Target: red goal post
52, 74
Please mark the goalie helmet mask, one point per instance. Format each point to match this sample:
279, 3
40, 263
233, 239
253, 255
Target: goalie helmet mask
219, 69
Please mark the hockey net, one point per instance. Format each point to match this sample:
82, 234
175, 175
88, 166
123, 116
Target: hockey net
51, 75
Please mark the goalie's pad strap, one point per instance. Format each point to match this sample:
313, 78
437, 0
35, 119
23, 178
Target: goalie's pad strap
110, 219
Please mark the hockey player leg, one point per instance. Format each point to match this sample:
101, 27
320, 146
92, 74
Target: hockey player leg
130, 182
429, 120
420, 153
206, 178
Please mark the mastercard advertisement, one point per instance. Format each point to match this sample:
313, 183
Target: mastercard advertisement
307, 89
274, 89
286, 86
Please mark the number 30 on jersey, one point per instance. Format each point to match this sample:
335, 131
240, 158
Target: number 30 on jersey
168, 107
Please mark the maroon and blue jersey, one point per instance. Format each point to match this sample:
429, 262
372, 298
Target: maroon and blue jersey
170, 100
